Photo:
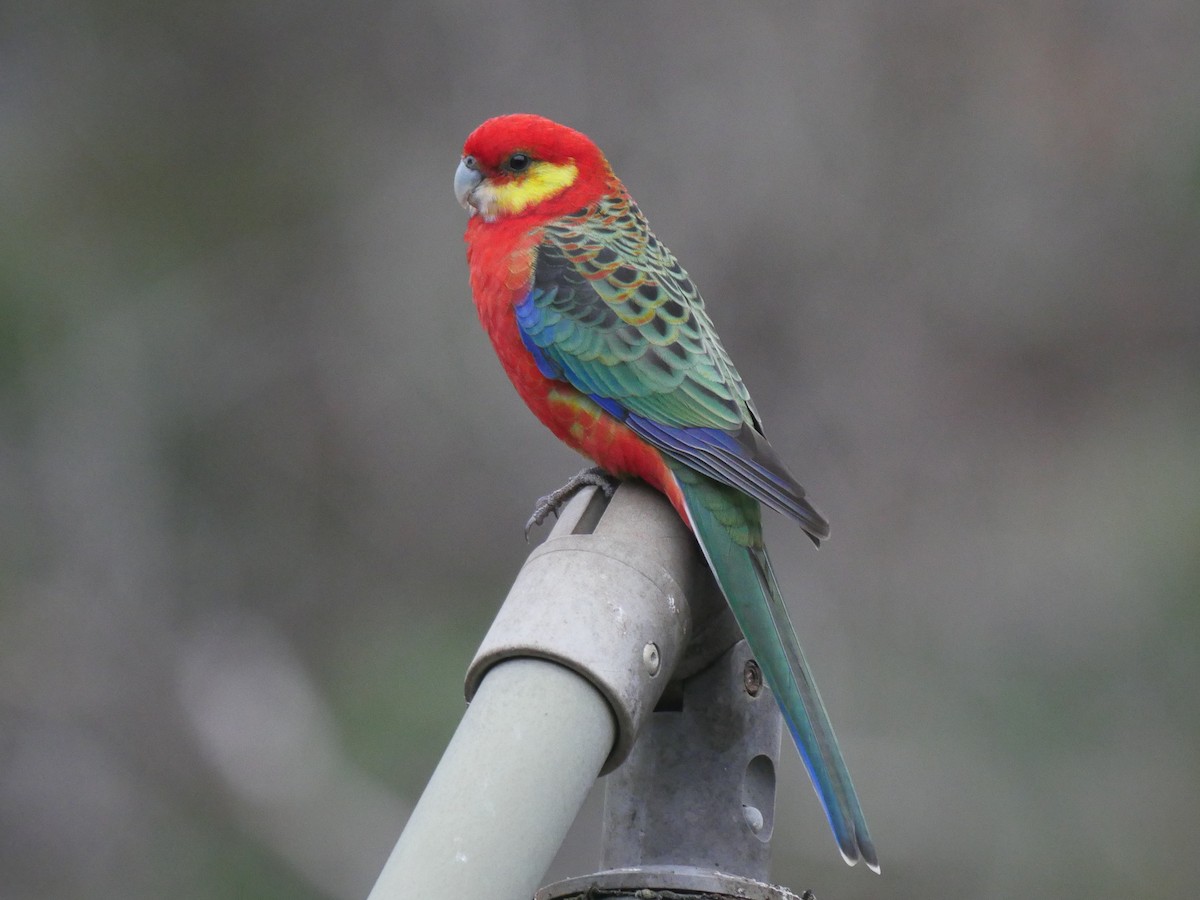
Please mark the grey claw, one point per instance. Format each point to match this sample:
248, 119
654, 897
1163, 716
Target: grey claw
553, 501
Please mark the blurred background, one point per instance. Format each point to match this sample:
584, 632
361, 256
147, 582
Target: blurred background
262, 484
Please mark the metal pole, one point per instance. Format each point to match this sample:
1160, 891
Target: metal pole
507, 789
592, 631
613, 629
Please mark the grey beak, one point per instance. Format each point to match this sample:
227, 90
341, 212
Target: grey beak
466, 179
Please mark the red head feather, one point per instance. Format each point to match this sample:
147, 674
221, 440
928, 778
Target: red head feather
494, 142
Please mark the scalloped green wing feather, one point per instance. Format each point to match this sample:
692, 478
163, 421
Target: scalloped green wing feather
622, 319
612, 312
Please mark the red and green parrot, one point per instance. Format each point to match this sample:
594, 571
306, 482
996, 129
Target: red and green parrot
607, 340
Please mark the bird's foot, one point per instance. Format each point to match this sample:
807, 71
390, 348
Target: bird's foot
553, 501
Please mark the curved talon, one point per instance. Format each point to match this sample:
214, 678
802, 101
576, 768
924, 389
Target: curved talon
553, 501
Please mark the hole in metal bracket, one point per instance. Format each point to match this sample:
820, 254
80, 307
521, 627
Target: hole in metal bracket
596, 506
758, 793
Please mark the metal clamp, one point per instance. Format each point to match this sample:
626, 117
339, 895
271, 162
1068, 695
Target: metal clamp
614, 603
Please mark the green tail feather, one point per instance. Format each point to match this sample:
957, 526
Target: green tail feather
727, 524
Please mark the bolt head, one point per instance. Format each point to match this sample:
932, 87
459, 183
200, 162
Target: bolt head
651, 658
752, 679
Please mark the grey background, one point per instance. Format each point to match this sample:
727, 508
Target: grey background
261, 482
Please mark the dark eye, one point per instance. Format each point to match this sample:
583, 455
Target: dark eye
518, 162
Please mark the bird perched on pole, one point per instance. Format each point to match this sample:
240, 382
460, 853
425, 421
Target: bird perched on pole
607, 340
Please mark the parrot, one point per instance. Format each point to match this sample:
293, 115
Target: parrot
608, 342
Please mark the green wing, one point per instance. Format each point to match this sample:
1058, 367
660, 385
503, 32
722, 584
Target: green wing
613, 313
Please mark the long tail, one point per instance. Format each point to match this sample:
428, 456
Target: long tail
728, 526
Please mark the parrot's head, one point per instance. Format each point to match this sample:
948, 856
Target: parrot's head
521, 165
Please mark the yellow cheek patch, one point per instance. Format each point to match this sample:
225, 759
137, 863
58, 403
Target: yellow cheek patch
539, 182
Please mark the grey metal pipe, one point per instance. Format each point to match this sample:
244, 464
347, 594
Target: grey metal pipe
587, 640
507, 788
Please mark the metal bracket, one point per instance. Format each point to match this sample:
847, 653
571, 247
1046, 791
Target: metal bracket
693, 807
615, 603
